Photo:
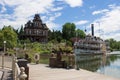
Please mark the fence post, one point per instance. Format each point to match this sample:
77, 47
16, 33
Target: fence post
22, 75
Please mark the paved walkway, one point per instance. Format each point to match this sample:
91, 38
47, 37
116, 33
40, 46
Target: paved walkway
42, 72
1, 73
6, 74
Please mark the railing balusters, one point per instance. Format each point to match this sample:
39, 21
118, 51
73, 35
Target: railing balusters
18, 73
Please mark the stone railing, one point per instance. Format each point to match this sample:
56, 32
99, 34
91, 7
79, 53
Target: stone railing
18, 72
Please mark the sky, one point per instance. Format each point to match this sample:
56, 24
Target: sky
104, 14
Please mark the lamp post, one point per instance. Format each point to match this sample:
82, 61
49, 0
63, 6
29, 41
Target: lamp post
76, 53
3, 54
76, 56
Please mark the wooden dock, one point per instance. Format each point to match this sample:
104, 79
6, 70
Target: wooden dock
43, 72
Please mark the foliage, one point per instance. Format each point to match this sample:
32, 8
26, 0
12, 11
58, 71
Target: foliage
1, 38
80, 33
9, 35
21, 30
115, 45
68, 31
55, 35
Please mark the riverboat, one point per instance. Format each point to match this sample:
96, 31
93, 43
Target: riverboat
91, 45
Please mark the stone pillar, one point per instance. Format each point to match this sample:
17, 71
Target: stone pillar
23, 63
14, 67
22, 75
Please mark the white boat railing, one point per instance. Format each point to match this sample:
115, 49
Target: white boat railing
80, 51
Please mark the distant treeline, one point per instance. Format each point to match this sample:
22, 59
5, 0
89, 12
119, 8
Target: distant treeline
114, 45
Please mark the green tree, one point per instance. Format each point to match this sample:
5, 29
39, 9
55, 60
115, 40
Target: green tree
114, 45
20, 33
21, 30
80, 33
55, 35
49, 35
1, 38
10, 36
68, 30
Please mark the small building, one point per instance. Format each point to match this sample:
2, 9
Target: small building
36, 30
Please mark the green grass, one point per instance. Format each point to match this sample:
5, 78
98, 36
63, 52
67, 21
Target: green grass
44, 61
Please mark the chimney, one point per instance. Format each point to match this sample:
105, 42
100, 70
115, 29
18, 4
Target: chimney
92, 27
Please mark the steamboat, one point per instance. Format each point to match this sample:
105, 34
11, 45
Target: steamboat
91, 45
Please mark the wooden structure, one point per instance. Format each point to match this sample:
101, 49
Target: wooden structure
56, 61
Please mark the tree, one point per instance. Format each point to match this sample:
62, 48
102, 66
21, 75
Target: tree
1, 38
10, 36
112, 43
21, 30
20, 33
80, 33
55, 35
68, 30
115, 45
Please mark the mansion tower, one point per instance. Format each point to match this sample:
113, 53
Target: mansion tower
36, 30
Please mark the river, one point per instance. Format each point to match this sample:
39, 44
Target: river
107, 65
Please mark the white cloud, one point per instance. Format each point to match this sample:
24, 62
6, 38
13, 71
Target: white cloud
57, 9
112, 5
24, 10
74, 3
109, 23
50, 21
3, 9
52, 18
92, 7
52, 25
29, 8
81, 22
100, 11
2, 2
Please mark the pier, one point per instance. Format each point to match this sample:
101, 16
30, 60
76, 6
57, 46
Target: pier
43, 72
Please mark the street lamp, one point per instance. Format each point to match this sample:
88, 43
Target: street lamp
76, 56
3, 54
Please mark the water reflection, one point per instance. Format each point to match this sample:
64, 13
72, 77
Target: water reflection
89, 62
108, 65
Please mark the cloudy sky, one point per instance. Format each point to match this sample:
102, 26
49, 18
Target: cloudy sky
105, 14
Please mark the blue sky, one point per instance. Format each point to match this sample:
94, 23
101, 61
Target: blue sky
105, 14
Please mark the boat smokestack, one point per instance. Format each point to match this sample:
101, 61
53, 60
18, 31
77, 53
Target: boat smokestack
92, 27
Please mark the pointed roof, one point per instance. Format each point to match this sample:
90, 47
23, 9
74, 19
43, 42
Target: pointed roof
37, 18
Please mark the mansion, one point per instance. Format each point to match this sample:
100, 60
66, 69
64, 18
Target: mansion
36, 30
